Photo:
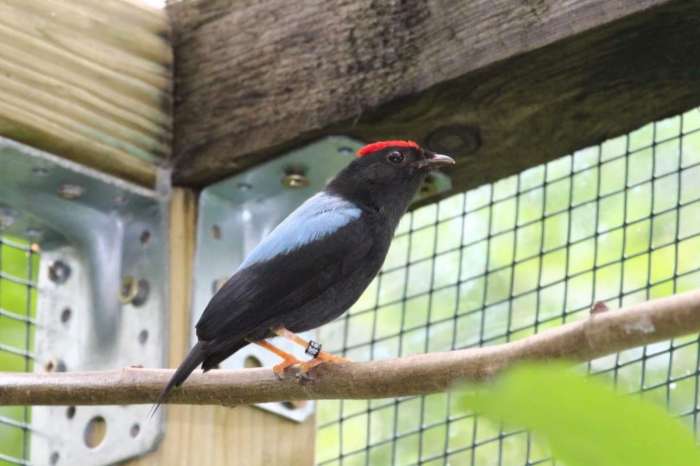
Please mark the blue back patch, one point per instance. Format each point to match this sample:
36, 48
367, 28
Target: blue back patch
316, 218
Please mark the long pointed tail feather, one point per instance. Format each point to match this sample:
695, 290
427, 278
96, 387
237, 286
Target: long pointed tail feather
194, 358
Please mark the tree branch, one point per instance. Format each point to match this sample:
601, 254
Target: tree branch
598, 335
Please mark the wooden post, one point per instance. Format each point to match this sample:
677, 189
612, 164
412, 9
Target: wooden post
212, 435
88, 81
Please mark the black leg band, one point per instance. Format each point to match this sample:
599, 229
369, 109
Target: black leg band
313, 348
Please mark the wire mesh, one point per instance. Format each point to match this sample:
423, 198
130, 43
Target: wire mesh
18, 292
617, 223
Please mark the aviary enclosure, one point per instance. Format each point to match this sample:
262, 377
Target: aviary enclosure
145, 150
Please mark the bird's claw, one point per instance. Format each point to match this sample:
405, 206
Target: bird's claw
280, 369
302, 371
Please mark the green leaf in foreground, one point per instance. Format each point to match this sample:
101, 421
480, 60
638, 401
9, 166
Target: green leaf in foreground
585, 422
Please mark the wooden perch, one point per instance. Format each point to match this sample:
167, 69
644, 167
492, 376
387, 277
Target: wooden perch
502, 86
603, 333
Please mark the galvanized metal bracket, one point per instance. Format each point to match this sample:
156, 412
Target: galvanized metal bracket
236, 213
102, 294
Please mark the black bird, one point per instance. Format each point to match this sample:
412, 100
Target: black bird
316, 263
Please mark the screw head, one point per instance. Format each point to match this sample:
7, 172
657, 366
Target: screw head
70, 191
134, 292
295, 181
295, 178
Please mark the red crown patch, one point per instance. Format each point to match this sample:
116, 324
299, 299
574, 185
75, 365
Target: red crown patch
377, 146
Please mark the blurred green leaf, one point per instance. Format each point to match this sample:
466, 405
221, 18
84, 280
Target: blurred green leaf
585, 422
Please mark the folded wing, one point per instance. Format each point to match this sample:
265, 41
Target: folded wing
318, 245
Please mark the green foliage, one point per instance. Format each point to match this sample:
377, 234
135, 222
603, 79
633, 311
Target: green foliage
585, 422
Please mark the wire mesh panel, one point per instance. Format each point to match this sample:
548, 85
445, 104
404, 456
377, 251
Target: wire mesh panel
617, 223
19, 263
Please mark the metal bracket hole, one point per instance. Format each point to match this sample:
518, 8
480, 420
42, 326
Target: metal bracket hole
143, 336
59, 272
251, 361
95, 432
55, 365
145, 237
293, 405
66, 314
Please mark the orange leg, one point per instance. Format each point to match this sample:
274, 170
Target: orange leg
287, 359
322, 356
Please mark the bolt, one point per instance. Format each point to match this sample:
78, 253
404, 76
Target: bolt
59, 272
134, 292
295, 178
457, 140
70, 191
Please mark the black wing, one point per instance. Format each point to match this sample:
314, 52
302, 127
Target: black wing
262, 291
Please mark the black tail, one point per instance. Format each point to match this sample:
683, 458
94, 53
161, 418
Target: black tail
195, 357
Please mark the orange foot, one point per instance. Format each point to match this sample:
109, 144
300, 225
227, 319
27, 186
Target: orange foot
287, 359
311, 348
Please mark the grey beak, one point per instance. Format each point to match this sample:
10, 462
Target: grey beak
440, 160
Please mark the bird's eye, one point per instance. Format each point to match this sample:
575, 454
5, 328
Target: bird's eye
395, 157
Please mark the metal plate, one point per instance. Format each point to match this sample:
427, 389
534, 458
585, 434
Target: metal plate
93, 230
235, 214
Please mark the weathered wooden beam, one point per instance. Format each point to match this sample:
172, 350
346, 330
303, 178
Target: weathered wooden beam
89, 81
501, 84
